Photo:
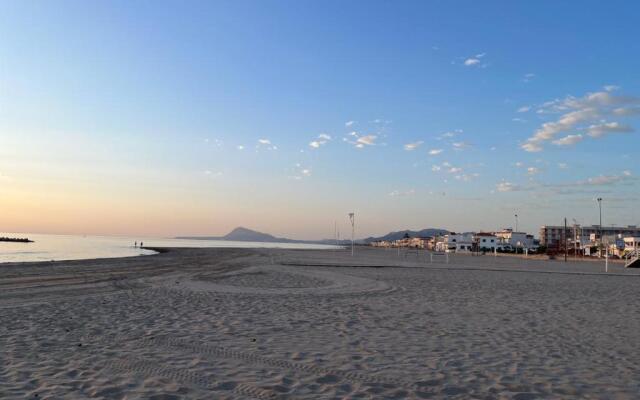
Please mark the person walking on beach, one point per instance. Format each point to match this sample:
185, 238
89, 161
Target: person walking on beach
135, 244
141, 244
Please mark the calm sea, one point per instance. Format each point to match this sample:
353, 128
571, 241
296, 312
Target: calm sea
71, 247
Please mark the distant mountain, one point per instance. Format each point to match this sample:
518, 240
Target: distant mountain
401, 234
241, 234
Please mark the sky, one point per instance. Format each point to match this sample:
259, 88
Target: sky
191, 118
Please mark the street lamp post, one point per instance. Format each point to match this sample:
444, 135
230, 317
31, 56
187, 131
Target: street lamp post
352, 218
516, 222
600, 224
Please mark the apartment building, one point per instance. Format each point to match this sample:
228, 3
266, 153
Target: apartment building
554, 235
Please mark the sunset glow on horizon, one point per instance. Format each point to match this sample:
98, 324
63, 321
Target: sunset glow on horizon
163, 119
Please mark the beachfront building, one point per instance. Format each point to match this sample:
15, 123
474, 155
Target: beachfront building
456, 243
631, 243
516, 240
381, 243
409, 242
620, 246
487, 241
553, 236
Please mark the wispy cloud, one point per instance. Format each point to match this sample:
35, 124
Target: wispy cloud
398, 193
360, 141
450, 134
367, 140
471, 61
466, 177
606, 128
584, 186
265, 144
213, 142
349, 123
523, 109
240, 147
460, 145
435, 152
321, 140
568, 140
474, 60
300, 172
505, 186
528, 77
413, 146
575, 112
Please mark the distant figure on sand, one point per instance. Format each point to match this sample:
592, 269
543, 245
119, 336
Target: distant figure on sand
141, 244
135, 244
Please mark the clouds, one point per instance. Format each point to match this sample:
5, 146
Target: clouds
265, 144
413, 146
435, 152
568, 140
590, 185
300, 172
460, 145
584, 114
533, 171
471, 61
367, 140
321, 140
398, 193
508, 187
606, 128
474, 61
359, 142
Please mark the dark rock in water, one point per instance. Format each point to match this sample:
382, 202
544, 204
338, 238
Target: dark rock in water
15, 240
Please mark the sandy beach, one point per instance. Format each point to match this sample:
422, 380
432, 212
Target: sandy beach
309, 324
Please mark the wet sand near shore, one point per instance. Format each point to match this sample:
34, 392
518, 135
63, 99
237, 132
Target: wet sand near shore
309, 324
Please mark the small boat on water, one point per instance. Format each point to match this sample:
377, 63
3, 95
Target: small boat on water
15, 240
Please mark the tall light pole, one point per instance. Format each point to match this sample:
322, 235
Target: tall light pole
600, 225
352, 218
516, 222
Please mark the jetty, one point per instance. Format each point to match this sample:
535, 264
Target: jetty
16, 240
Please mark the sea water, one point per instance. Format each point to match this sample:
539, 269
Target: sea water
77, 247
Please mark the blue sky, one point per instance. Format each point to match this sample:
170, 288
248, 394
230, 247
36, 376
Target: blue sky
194, 117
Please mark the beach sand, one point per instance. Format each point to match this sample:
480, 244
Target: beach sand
311, 324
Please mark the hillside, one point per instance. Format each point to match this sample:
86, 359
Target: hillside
400, 234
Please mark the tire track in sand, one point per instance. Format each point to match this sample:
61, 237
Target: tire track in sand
257, 359
151, 369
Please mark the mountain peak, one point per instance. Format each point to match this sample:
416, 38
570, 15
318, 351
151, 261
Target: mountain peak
247, 235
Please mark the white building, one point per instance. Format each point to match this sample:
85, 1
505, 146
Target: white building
456, 243
632, 243
487, 241
517, 240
